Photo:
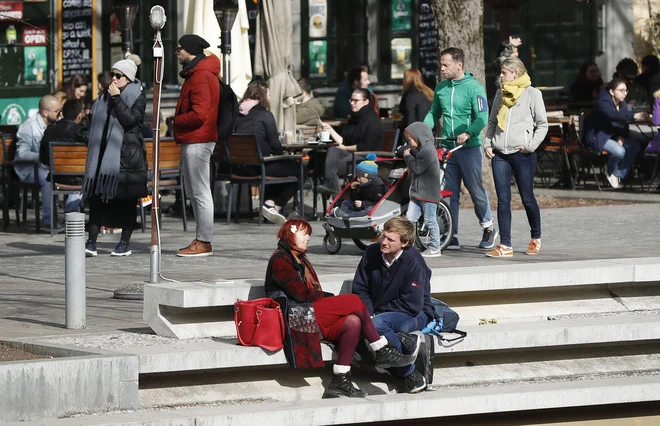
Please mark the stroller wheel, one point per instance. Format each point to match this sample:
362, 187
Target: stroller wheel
332, 243
445, 225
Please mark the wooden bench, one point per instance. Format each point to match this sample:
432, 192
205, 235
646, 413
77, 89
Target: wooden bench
67, 161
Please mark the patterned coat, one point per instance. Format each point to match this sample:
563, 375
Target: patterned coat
286, 283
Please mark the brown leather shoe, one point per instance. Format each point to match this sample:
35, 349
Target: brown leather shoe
196, 249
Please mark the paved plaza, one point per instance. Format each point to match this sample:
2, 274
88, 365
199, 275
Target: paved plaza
32, 273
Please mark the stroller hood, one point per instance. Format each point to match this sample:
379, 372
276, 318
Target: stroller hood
422, 134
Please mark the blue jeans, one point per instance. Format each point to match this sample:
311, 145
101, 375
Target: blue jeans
72, 201
621, 158
523, 167
348, 207
388, 323
415, 209
465, 166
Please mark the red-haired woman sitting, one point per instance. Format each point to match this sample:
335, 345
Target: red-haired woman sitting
312, 314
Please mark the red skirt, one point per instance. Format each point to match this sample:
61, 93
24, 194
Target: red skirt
331, 312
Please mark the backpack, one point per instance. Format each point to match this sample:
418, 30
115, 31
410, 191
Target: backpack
445, 321
227, 111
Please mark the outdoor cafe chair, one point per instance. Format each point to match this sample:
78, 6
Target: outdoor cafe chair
67, 160
244, 153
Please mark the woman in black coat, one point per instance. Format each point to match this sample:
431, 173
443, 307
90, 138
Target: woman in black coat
363, 132
255, 118
416, 98
116, 170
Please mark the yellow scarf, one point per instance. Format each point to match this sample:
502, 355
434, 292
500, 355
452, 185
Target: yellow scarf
511, 92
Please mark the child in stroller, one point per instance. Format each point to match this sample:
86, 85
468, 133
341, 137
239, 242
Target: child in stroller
366, 190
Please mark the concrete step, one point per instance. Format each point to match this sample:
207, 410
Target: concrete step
203, 309
452, 402
160, 355
487, 371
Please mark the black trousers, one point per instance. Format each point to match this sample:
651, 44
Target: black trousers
281, 193
337, 164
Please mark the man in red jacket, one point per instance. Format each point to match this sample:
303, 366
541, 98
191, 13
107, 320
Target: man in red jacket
195, 126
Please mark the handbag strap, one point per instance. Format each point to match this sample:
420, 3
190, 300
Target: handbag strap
461, 335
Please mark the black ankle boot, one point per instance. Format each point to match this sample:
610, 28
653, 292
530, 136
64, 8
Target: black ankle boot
341, 385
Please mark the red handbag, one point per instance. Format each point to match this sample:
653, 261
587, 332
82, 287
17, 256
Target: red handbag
260, 323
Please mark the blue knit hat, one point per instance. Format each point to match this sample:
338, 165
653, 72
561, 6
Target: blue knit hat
368, 168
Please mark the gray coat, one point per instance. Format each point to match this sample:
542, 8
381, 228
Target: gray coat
425, 168
527, 123
28, 141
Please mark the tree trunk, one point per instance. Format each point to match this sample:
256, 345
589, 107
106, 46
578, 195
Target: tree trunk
459, 23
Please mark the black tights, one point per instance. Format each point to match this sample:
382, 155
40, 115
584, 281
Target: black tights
94, 231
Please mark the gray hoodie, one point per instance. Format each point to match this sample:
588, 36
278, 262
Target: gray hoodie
526, 125
425, 168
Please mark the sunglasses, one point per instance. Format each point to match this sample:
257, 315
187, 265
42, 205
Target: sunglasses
179, 49
354, 101
117, 75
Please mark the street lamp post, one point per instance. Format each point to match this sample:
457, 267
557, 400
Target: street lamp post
126, 12
225, 13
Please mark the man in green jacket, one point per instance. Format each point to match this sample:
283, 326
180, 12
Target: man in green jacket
460, 100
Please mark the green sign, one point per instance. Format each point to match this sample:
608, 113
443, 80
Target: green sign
318, 58
401, 15
16, 110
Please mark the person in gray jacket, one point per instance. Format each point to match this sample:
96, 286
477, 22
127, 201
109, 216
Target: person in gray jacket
425, 185
516, 127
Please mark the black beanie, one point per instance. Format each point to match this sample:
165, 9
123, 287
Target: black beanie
193, 44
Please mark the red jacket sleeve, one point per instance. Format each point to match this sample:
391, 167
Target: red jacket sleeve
287, 278
200, 99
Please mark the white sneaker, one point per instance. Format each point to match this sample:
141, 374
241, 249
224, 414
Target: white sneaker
429, 252
273, 215
614, 181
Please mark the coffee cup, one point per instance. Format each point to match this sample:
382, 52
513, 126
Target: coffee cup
324, 136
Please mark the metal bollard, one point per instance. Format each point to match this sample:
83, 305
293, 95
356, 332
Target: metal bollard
74, 271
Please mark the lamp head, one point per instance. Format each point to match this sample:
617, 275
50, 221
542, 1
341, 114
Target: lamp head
225, 13
157, 17
126, 14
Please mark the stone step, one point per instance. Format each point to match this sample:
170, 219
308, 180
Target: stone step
170, 355
182, 309
378, 408
283, 384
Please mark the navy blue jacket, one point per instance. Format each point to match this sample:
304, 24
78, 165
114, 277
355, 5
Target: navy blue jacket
606, 122
403, 287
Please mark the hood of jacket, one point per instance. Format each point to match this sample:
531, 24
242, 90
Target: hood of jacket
209, 63
422, 135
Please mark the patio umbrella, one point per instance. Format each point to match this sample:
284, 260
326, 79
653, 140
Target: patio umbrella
273, 60
199, 18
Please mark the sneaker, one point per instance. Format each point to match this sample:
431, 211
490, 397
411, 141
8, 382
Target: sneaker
272, 214
534, 247
488, 239
415, 382
387, 357
614, 181
432, 252
121, 249
90, 249
501, 251
342, 386
337, 212
453, 244
196, 249
410, 343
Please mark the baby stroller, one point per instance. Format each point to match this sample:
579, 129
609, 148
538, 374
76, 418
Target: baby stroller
366, 229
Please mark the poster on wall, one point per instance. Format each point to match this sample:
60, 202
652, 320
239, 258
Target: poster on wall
318, 18
11, 10
401, 15
15, 111
76, 23
401, 56
427, 44
35, 56
318, 58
